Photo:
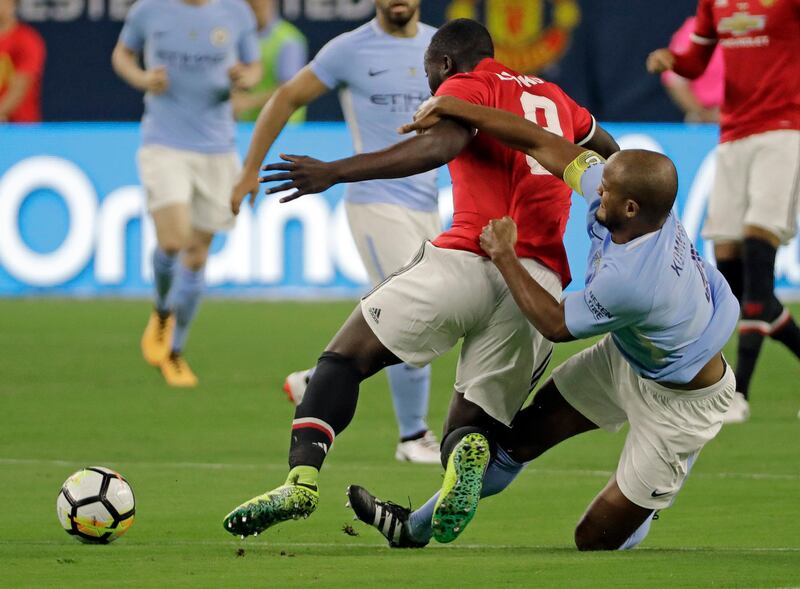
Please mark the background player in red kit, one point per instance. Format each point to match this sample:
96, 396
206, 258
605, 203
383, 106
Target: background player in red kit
753, 207
22, 54
450, 290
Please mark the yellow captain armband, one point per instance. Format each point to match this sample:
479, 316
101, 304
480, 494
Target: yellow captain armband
576, 168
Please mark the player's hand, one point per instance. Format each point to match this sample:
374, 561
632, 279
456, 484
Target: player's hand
307, 175
425, 117
499, 237
246, 185
660, 61
156, 80
241, 76
702, 115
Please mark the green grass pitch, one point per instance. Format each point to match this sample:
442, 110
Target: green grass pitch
75, 392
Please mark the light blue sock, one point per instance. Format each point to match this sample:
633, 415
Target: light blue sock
189, 286
163, 273
641, 532
410, 388
420, 527
501, 471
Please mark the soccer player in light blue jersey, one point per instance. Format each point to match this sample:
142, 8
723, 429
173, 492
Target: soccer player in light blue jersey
379, 72
195, 53
665, 313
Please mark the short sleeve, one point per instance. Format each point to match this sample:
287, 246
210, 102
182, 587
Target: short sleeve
134, 31
705, 31
248, 47
467, 87
583, 174
583, 123
30, 58
331, 63
292, 57
604, 305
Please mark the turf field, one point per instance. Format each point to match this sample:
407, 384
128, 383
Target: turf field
74, 392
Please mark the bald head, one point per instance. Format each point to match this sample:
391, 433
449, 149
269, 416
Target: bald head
646, 177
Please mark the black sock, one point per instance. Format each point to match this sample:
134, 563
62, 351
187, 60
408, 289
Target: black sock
749, 349
732, 271
789, 335
455, 436
328, 406
760, 307
417, 436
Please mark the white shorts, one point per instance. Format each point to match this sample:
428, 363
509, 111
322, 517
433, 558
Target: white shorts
667, 426
201, 180
387, 236
757, 182
422, 310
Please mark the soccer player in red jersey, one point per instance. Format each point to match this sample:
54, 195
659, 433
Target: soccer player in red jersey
22, 54
753, 207
450, 290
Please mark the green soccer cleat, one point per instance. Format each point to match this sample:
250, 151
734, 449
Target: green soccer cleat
461, 490
292, 500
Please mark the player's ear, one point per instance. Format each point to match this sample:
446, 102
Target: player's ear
631, 208
448, 66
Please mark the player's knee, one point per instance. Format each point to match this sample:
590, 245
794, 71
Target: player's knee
174, 242
338, 367
171, 247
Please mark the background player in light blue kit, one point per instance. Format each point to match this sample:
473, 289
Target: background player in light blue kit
378, 71
666, 314
195, 52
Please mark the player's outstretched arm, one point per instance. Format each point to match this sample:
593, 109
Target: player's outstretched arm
303, 88
542, 310
551, 151
427, 151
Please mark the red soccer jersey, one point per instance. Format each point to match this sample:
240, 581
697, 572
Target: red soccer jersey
22, 50
491, 180
760, 42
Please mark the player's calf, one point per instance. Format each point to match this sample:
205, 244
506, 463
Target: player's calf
610, 520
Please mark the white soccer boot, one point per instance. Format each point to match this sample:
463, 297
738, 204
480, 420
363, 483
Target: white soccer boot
295, 386
424, 450
739, 411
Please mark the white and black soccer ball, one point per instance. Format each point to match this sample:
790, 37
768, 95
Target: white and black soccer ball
96, 505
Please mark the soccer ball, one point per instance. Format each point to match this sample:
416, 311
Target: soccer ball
95, 505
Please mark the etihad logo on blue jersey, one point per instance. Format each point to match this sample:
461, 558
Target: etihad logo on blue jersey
181, 59
528, 35
400, 101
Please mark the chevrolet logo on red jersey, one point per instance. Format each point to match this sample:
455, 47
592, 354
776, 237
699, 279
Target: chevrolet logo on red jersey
742, 23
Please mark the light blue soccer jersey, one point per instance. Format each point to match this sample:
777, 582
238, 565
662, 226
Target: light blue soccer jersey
197, 45
667, 309
382, 81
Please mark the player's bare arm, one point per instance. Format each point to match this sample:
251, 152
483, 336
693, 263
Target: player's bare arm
426, 151
690, 64
125, 62
551, 151
16, 90
302, 89
538, 305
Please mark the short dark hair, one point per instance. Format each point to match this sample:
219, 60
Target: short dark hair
466, 42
